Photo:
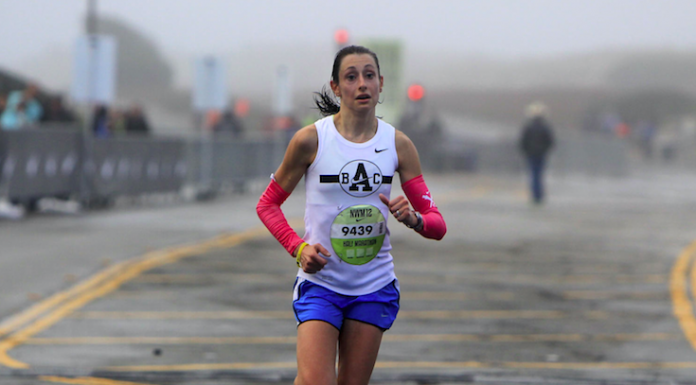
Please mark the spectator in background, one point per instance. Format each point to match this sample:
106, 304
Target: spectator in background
100, 121
229, 124
535, 142
136, 122
646, 131
3, 103
287, 125
57, 112
117, 122
7, 209
22, 109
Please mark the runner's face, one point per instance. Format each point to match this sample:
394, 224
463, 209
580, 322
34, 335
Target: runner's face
359, 83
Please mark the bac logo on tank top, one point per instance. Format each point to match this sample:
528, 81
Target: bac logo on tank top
359, 178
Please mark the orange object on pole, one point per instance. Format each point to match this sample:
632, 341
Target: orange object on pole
415, 92
242, 107
341, 36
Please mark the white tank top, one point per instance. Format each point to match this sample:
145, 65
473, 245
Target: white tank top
343, 210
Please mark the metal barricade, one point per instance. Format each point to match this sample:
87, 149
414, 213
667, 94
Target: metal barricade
64, 163
39, 164
133, 166
221, 164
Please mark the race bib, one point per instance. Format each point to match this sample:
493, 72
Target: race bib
357, 234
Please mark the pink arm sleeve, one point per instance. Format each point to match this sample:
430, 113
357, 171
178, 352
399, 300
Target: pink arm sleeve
417, 192
272, 216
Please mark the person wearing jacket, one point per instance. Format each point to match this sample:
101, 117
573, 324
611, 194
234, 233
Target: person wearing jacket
536, 141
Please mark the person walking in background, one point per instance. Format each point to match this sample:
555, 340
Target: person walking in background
536, 141
346, 293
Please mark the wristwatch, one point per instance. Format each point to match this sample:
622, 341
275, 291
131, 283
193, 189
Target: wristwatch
419, 222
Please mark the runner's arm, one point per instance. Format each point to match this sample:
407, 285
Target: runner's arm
432, 224
299, 155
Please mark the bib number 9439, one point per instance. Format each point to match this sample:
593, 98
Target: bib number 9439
357, 234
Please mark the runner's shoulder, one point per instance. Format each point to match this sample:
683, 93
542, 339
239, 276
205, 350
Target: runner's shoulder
403, 142
306, 139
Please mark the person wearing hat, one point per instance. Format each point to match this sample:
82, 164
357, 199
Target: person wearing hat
536, 141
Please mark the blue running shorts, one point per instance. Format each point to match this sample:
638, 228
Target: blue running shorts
313, 302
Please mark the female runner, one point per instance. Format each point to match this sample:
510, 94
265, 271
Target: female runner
346, 293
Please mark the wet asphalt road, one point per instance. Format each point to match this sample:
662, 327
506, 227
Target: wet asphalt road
593, 287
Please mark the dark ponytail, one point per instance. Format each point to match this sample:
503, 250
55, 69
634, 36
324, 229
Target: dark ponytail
325, 100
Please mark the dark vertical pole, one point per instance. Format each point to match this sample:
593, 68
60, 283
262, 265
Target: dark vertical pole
92, 17
87, 162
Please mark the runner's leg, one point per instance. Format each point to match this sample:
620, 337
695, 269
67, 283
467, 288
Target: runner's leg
316, 353
358, 348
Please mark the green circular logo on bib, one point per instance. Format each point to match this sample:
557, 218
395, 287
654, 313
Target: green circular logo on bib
357, 234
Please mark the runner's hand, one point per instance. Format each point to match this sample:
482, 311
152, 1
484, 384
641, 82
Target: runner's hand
400, 208
311, 259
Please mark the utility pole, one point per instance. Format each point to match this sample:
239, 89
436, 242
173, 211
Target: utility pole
92, 17
86, 179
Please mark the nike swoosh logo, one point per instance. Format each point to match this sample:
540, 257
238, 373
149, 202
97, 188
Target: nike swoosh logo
384, 149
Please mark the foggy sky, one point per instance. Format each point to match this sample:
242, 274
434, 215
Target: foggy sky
497, 28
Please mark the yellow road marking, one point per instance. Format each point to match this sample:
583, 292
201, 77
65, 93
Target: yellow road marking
206, 277
162, 341
212, 315
540, 365
435, 278
598, 294
281, 314
530, 337
131, 295
677, 283
588, 279
86, 381
387, 338
569, 295
417, 364
682, 308
511, 296
198, 367
108, 283
36, 310
436, 296
468, 314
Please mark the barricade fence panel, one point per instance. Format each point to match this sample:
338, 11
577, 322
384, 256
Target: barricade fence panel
135, 166
63, 162
224, 163
40, 163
